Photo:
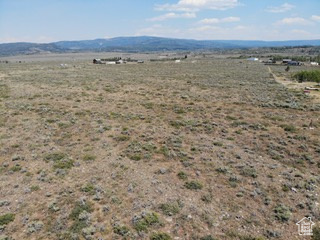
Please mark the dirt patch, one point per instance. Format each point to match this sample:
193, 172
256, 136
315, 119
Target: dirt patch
299, 86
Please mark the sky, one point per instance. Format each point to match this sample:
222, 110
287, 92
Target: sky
45, 21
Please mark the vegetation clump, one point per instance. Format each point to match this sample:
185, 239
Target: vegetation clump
160, 236
308, 76
6, 218
282, 213
182, 175
170, 209
89, 157
146, 221
121, 230
80, 223
193, 185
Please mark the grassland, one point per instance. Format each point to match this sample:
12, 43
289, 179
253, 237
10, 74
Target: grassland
204, 149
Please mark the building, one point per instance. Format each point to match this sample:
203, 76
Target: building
294, 63
285, 61
97, 61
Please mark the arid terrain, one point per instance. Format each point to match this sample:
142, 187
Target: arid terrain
208, 148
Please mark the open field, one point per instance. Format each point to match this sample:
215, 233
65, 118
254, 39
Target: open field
204, 149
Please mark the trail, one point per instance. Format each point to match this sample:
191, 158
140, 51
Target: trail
297, 86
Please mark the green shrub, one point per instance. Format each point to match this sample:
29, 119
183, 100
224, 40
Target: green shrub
182, 175
316, 233
209, 237
78, 224
16, 168
122, 138
310, 76
7, 218
34, 188
89, 188
121, 230
148, 220
160, 236
54, 156
249, 172
170, 209
282, 213
193, 185
63, 164
89, 157
289, 128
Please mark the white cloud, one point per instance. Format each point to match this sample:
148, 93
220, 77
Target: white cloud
204, 28
196, 5
280, 9
159, 30
294, 21
299, 31
315, 18
216, 32
221, 20
172, 15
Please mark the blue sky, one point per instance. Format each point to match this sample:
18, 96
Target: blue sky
55, 20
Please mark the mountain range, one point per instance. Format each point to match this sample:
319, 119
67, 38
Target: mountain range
143, 44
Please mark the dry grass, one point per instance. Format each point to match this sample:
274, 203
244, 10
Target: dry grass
199, 145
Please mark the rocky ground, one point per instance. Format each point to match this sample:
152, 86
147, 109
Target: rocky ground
202, 149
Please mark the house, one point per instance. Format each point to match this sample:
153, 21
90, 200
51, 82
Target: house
285, 61
305, 226
294, 63
97, 61
253, 59
120, 62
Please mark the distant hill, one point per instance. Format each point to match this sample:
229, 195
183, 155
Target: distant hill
8, 49
143, 44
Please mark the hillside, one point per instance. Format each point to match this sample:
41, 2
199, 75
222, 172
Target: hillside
142, 44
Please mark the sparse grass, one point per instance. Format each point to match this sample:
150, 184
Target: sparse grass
63, 164
208, 237
34, 188
213, 129
122, 138
57, 156
89, 188
89, 157
289, 128
4, 91
16, 168
249, 172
